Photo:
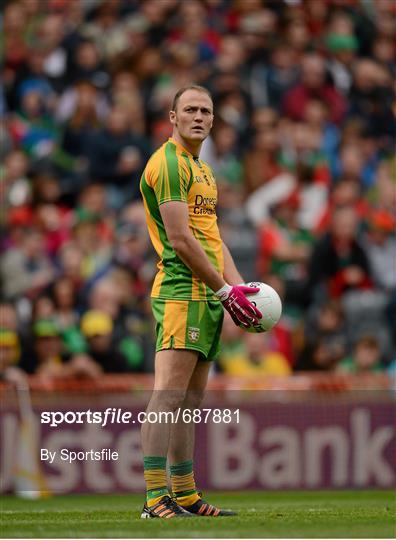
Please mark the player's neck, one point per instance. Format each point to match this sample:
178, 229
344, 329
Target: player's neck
193, 148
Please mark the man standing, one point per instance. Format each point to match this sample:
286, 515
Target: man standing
196, 278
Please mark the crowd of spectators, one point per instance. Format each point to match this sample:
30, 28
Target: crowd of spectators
302, 148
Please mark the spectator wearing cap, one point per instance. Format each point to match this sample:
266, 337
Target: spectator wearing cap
342, 49
342, 45
112, 357
9, 349
48, 358
32, 126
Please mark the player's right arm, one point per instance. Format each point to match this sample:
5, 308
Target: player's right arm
175, 218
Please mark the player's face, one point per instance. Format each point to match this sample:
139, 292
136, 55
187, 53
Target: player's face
193, 117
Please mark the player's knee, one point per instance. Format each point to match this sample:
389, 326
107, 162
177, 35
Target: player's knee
193, 399
169, 400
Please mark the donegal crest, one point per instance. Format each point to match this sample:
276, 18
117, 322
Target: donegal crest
193, 334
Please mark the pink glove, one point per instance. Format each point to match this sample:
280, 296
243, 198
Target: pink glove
242, 311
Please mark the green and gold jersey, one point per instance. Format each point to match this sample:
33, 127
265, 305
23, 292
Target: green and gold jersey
173, 174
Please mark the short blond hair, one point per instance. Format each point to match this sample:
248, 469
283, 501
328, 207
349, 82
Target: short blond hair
181, 91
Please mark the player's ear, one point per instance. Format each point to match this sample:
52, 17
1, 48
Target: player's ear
172, 117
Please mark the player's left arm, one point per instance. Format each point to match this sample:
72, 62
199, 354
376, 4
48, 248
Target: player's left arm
231, 274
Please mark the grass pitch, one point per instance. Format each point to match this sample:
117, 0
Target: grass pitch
346, 514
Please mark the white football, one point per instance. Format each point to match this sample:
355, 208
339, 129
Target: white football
268, 302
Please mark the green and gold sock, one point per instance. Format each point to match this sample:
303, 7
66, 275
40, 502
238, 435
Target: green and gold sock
183, 483
155, 476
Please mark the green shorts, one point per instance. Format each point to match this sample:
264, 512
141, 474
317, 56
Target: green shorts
188, 324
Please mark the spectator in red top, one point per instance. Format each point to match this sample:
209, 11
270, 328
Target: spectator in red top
313, 85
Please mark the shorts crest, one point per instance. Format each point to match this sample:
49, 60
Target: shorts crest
193, 334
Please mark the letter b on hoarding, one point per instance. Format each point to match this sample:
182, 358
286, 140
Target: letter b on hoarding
231, 453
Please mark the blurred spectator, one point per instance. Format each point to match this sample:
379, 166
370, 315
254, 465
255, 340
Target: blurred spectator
95, 249
15, 185
284, 249
221, 151
53, 223
93, 205
319, 356
26, 269
48, 358
281, 74
326, 325
339, 262
43, 307
50, 34
344, 193
9, 349
106, 30
371, 97
83, 122
382, 194
313, 85
9, 316
366, 357
64, 297
70, 260
380, 242
325, 134
104, 296
87, 65
254, 358
236, 229
262, 161
309, 181
32, 126
117, 157
342, 45
113, 357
